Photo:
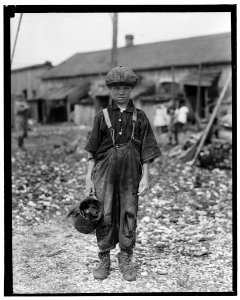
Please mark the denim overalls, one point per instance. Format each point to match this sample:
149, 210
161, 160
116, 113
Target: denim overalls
116, 178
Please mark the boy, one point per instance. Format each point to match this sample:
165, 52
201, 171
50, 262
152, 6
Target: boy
120, 148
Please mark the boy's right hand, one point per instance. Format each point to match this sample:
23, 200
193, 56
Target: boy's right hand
89, 186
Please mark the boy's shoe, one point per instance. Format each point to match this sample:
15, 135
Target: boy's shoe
126, 266
102, 270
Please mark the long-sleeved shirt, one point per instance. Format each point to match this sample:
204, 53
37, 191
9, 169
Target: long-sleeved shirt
100, 138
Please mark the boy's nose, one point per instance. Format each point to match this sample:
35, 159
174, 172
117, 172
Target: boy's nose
121, 91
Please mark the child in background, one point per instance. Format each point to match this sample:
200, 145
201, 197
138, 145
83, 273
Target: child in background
173, 126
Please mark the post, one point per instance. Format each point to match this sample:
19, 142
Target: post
43, 108
47, 110
68, 110
206, 114
114, 41
173, 82
157, 90
199, 89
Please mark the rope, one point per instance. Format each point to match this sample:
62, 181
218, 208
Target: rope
132, 137
19, 23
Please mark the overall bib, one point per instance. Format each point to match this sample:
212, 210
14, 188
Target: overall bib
116, 178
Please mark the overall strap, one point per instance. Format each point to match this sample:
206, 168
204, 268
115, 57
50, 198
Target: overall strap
109, 124
134, 115
106, 117
134, 119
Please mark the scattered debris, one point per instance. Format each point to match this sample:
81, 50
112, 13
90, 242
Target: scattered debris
54, 253
184, 225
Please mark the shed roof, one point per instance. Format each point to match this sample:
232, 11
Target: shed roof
206, 79
145, 88
72, 92
188, 51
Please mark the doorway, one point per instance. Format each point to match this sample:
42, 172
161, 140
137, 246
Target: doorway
191, 93
40, 111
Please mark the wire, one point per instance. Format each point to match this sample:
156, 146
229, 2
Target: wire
19, 23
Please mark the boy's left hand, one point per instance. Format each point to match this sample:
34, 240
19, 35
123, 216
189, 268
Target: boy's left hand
143, 186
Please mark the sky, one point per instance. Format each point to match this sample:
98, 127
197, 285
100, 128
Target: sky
55, 37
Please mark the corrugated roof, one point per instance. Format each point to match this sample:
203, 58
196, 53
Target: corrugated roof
98, 89
56, 93
145, 88
80, 91
37, 66
189, 51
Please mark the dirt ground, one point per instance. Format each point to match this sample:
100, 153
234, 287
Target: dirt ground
184, 237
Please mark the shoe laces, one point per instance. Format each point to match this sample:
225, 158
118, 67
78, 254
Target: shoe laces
126, 262
105, 260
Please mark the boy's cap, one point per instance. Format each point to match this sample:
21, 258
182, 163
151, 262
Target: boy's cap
121, 76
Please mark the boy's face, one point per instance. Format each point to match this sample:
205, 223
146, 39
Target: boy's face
121, 94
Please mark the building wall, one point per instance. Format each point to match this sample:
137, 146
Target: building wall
28, 79
84, 114
158, 76
33, 106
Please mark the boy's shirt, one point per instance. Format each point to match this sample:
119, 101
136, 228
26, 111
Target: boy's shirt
100, 139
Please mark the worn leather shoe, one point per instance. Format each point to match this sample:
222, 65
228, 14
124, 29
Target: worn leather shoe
126, 266
103, 268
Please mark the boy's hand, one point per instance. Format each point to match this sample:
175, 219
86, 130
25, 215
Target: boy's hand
89, 186
143, 186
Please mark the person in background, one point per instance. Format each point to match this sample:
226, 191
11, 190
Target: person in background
161, 119
173, 126
22, 110
182, 114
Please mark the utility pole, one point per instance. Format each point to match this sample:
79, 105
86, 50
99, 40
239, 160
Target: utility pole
197, 112
173, 82
199, 90
114, 60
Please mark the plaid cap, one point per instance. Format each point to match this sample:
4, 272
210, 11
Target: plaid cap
121, 75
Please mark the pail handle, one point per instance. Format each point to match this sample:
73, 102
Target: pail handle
92, 195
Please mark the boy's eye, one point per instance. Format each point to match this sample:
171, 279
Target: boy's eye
118, 88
